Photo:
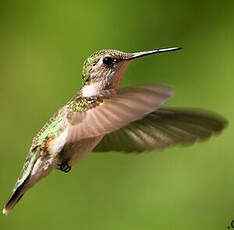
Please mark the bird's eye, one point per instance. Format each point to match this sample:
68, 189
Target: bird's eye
108, 61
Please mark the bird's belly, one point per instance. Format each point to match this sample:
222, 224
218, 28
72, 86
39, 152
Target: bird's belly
73, 152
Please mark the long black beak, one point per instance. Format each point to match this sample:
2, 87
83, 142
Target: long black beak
141, 54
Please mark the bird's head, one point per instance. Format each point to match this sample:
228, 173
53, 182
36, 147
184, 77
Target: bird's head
105, 69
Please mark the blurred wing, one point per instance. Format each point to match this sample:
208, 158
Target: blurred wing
162, 128
116, 111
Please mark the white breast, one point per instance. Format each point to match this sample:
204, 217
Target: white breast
57, 144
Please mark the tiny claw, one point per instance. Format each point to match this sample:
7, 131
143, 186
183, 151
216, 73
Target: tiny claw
67, 169
64, 167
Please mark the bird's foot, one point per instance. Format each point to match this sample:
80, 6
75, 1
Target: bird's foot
64, 166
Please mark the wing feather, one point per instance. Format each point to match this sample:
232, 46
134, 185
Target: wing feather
116, 111
163, 128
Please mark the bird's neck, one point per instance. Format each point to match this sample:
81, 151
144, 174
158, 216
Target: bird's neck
97, 88
92, 89
100, 83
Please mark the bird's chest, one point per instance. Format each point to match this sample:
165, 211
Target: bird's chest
73, 152
56, 144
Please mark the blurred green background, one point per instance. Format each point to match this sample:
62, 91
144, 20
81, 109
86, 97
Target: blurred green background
42, 48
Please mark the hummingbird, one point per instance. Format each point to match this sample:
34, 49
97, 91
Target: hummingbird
103, 117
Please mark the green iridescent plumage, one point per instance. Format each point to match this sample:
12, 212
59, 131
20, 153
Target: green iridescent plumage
50, 130
79, 105
53, 127
86, 68
26, 169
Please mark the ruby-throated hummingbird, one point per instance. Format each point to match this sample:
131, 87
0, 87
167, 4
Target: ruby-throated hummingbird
101, 117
